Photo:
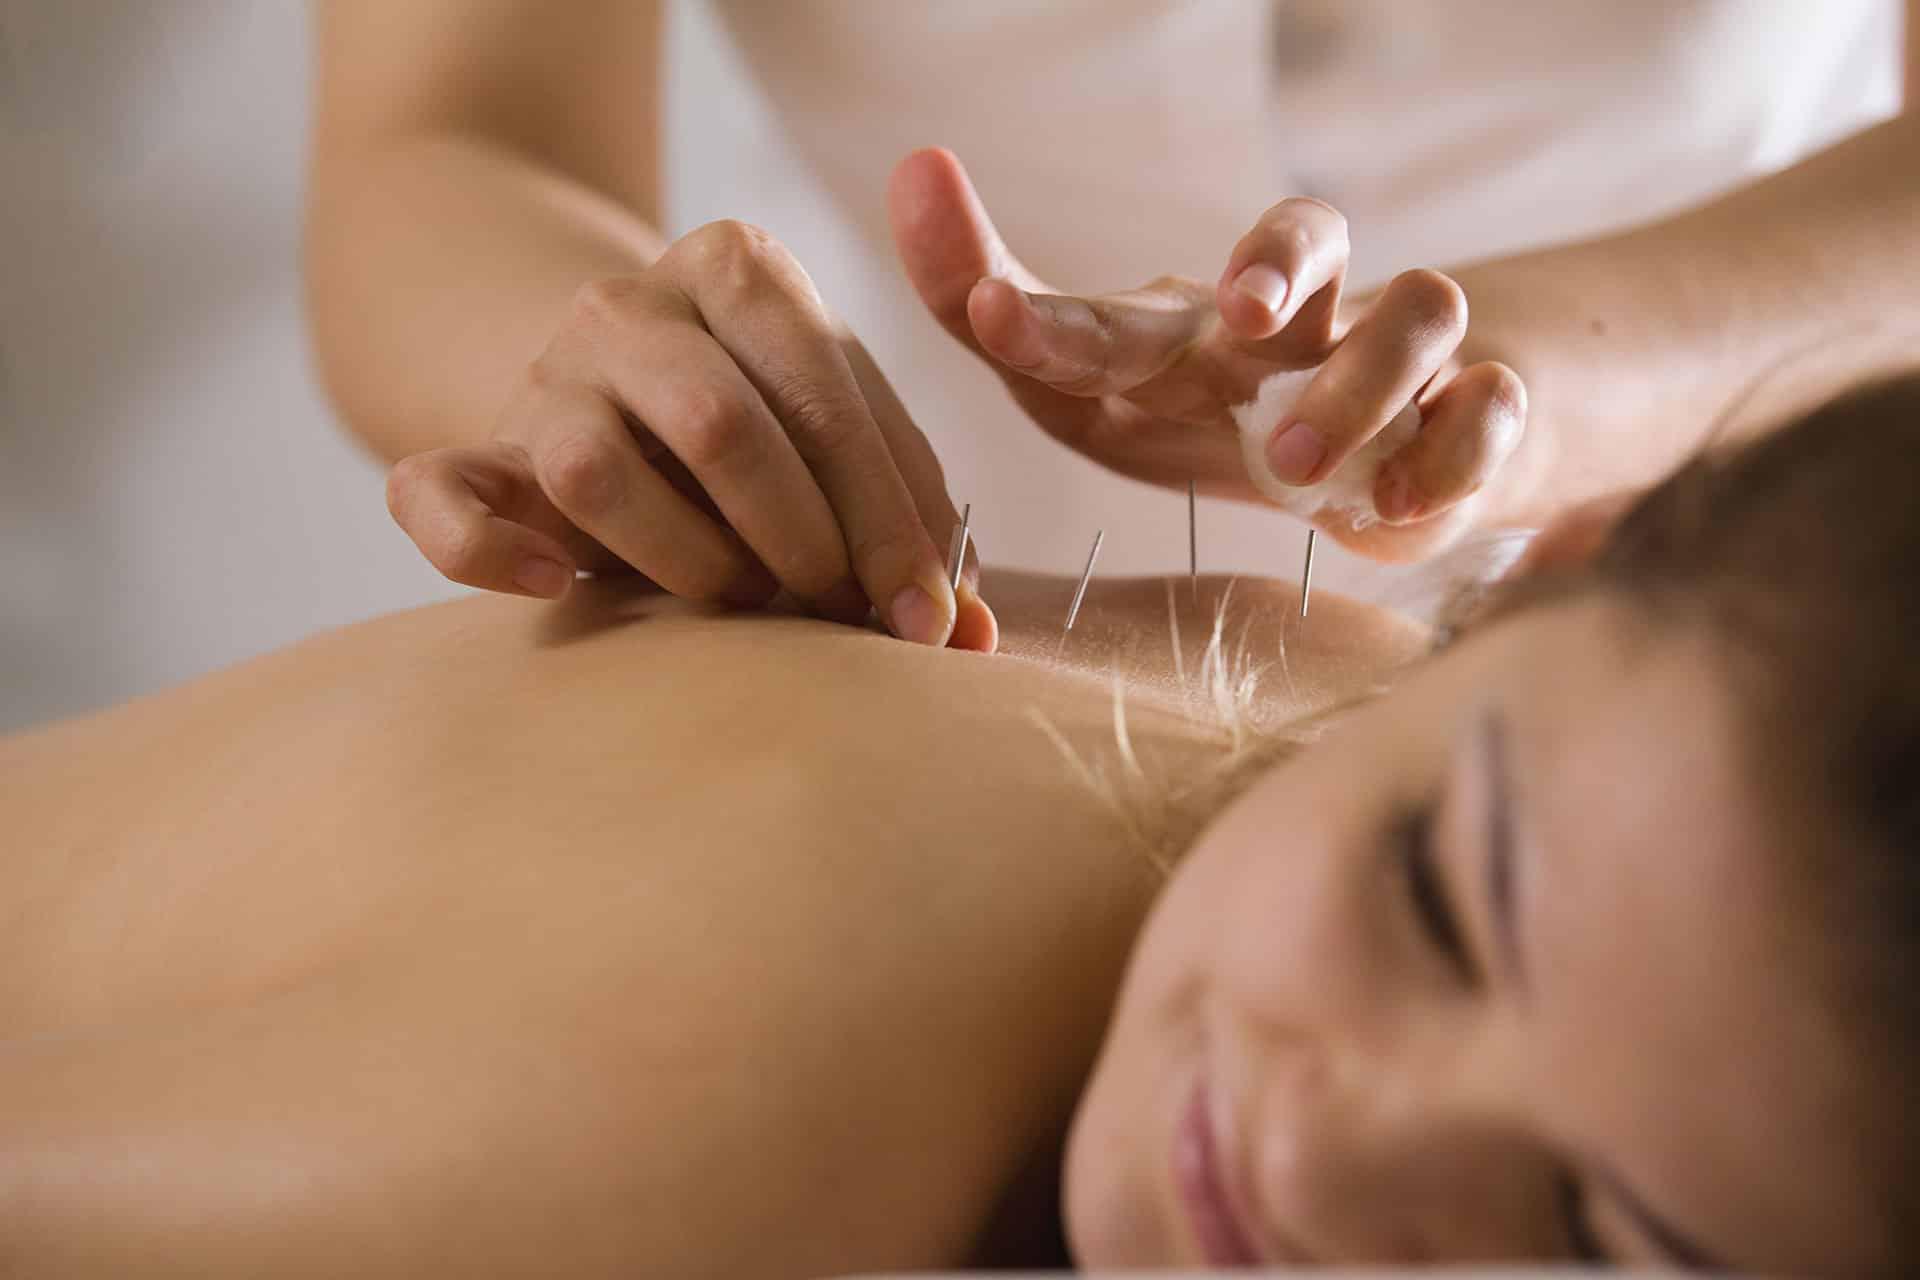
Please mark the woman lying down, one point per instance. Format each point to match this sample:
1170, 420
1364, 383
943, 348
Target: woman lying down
626, 938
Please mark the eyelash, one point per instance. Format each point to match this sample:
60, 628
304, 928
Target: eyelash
1414, 850
1581, 1240
1413, 847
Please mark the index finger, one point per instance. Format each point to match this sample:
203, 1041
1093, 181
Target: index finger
449, 502
763, 310
1279, 295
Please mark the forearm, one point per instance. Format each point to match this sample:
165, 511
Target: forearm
1636, 347
438, 266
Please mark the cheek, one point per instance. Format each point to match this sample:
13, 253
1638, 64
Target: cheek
1118, 1197
1271, 910
1261, 932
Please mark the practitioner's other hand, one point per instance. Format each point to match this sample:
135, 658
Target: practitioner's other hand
711, 424
1143, 382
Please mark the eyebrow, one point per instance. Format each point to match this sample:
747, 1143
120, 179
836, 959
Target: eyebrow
1500, 842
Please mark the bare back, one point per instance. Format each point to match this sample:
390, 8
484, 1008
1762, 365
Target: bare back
616, 933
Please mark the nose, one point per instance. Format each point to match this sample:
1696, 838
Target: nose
1356, 1164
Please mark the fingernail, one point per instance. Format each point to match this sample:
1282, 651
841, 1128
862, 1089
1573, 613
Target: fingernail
1295, 453
1395, 497
542, 577
915, 615
989, 640
1264, 285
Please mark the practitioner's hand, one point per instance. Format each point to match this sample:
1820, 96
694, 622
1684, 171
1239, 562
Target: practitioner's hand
709, 423
1143, 382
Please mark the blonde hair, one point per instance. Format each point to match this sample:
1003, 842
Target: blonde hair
1164, 807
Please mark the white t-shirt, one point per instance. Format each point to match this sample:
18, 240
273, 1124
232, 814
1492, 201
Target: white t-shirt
1117, 140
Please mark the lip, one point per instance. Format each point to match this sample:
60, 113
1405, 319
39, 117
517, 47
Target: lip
1220, 1230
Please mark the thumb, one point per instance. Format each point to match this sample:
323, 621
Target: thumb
945, 239
1079, 346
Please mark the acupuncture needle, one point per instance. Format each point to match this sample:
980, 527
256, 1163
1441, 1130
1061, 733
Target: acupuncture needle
1306, 574
957, 548
1074, 611
1193, 544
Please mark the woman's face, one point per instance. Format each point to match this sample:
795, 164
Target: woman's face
1508, 967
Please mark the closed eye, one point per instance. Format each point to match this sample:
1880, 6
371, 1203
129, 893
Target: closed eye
1582, 1242
1413, 847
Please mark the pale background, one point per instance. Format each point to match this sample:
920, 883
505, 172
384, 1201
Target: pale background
174, 495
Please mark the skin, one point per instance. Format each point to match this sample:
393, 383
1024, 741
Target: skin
506, 938
1643, 999
488, 277
610, 946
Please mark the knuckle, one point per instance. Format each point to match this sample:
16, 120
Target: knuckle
582, 472
711, 428
543, 375
1184, 287
1307, 221
1288, 244
737, 257
404, 483
820, 422
606, 303
730, 237
1431, 301
459, 553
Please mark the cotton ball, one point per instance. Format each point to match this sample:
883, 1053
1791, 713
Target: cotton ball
1349, 490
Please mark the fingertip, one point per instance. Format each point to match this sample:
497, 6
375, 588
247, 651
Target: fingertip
1396, 499
942, 232
927, 162
975, 628
907, 185
1469, 432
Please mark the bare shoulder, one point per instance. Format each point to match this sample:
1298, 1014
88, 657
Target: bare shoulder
1160, 630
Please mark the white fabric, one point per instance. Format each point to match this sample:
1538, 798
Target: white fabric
1118, 140
174, 493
